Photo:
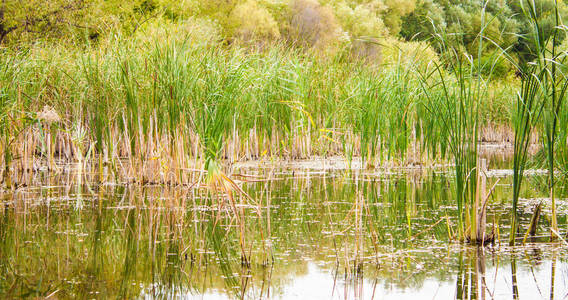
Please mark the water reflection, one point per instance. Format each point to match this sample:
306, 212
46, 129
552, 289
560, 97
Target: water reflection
325, 236
531, 276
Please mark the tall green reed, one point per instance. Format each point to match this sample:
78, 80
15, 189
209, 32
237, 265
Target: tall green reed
5, 116
556, 85
453, 99
142, 99
543, 92
528, 107
385, 112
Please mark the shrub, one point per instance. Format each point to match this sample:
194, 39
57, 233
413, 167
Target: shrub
494, 64
397, 9
417, 53
363, 20
250, 21
313, 25
197, 30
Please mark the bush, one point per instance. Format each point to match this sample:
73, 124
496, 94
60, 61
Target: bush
495, 65
418, 53
196, 30
361, 21
250, 21
397, 9
314, 25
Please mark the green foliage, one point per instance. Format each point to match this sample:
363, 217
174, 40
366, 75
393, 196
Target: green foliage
313, 25
194, 30
22, 21
242, 20
462, 21
416, 53
249, 21
421, 23
363, 20
397, 9
327, 25
545, 14
495, 64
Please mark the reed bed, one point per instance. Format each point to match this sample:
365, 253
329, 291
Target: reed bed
454, 89
540, 104
172, 106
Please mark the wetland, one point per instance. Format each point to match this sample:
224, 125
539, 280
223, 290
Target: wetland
311, 234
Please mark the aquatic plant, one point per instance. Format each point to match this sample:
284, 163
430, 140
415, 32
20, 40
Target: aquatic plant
528, 108
539, 102
555, 83
173, 106
453, 99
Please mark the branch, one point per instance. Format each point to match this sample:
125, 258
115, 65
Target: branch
68, 7
144, 21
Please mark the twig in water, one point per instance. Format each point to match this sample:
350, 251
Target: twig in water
427, 229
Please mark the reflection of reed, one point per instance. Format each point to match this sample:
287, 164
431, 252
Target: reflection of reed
514, 277
480, 273
161, 240
471, 282
353, 284
266, 282
552, 275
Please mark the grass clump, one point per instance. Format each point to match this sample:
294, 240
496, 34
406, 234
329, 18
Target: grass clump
539, 105
454, 101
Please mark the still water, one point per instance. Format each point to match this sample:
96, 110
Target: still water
301, 235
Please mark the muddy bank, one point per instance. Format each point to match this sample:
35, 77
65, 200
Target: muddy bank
492, 151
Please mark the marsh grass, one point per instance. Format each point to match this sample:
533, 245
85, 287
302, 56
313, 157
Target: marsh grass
454, 90
174, 105
456, 109
556, 85
540, 104
528, 109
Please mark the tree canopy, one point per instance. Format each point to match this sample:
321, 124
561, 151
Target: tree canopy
307, 23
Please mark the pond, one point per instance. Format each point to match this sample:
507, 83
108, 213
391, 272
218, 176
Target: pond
302, 234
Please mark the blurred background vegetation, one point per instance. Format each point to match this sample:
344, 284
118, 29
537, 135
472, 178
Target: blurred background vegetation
362, 28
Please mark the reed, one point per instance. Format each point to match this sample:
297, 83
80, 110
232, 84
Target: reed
539, 104
171, 106
528, 108
454, 99
556, 85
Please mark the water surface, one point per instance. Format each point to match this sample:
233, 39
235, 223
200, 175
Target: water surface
306, 234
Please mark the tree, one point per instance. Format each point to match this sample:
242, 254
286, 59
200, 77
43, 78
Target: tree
546, 18
419, 25
461, 21
38, 17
